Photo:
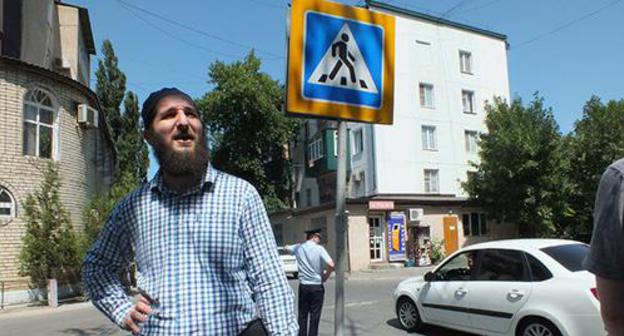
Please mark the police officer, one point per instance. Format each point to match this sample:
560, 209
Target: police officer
315, 267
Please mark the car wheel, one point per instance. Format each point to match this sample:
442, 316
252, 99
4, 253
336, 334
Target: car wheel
536, 326
407, 313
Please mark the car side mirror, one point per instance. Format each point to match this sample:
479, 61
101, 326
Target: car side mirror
429, 276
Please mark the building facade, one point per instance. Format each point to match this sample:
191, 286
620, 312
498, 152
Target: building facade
48, 114
404, 180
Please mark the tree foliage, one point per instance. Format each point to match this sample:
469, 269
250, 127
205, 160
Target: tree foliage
132, 153
249, 130
520, 174
50, 246
131, 149
110, 88
596, 141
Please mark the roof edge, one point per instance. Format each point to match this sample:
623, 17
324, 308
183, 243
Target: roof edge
435, 19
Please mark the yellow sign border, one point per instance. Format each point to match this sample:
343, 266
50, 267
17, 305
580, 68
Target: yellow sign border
298, 105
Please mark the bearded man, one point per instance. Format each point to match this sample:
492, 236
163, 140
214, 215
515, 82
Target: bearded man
207, 262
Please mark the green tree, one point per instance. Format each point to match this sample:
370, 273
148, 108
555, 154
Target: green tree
50, 247
519, 175
249, 130
132, 153
110, 88
596, 141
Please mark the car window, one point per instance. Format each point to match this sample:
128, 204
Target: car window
539, 272
570, 256
459, 268
502, 265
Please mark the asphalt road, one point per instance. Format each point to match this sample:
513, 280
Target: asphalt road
369, 311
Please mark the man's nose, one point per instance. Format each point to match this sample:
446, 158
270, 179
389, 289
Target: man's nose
182, 120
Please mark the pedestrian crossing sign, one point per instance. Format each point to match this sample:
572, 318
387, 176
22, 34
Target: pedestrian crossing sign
340, 62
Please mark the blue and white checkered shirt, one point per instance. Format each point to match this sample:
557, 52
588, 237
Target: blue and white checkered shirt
207, 255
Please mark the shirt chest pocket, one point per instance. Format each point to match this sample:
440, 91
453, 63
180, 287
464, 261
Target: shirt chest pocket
215, 240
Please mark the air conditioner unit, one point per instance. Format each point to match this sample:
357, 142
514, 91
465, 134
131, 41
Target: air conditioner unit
87, 116
416, 215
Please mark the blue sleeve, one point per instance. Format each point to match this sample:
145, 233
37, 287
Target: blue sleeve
274, 297
106, 259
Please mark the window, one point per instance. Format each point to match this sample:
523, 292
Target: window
471, 141
308, 197
432, 183
460, 268
38, 124
7, 206
429, 138
539, 272
502, 265
315, 149
468, 101
474, 224
570, 256
465, 61
426, 95
358, 142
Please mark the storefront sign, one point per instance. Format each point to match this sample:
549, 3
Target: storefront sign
396, 236
380, 205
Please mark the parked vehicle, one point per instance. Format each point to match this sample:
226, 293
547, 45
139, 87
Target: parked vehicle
289, 262
520, 287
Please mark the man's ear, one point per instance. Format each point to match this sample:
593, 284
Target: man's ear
147, 135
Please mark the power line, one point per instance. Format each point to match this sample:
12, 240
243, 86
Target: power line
567, 24
459, 4
198, 31
175, 37
488, 4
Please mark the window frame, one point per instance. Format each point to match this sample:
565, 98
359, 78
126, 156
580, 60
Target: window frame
429, 137
12, 206
472, 147
428, 188
35, 98
482, 230
426, 90
472, 101
358, 141
315, 149
462, 65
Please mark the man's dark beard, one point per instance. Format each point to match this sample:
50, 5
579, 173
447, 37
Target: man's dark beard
178, 164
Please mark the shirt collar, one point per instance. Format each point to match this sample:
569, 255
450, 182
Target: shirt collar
157, 183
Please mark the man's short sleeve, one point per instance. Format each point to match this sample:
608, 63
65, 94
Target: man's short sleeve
606, 255
325, 256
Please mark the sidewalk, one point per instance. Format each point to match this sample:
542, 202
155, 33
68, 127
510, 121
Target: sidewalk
30, 310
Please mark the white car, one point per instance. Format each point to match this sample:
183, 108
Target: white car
520, 287
289, 262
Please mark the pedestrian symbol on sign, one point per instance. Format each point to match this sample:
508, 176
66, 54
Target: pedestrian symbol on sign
343, 66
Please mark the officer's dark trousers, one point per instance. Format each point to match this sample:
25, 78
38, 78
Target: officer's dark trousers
310, 302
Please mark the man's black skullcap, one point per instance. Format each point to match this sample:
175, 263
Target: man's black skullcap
313, 231
149, 105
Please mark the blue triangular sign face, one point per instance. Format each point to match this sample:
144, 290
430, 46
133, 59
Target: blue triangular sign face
343, 65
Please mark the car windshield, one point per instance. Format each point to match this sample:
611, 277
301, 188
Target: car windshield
570, 256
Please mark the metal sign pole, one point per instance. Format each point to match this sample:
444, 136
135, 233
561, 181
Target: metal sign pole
340, 227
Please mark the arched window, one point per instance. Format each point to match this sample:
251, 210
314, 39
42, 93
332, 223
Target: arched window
39, 116
7, 206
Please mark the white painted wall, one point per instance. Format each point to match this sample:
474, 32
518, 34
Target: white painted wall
399, 158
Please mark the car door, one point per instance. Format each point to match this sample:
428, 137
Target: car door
501, 286
443, 300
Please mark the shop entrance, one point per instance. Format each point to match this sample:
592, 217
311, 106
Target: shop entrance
375, 232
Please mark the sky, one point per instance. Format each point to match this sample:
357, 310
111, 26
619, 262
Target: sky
568, 50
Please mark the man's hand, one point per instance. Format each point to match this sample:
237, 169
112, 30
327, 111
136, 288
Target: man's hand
137, 314
328, 271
